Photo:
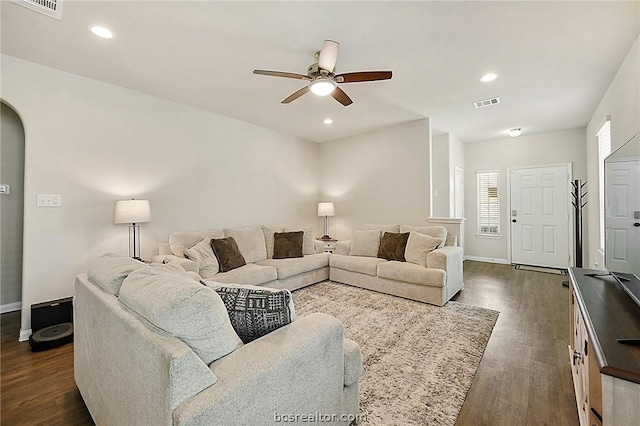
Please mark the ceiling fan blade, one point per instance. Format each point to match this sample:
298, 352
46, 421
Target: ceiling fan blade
355, 77
296, 95
328, 55
282, 74
339, 95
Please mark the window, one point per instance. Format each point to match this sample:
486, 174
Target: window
488, 203
604, 149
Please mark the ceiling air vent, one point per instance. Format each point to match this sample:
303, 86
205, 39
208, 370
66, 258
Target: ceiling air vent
51, 8
486, 102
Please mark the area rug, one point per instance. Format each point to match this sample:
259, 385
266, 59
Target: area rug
419, 360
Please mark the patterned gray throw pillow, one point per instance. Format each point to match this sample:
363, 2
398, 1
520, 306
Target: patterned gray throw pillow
256, 312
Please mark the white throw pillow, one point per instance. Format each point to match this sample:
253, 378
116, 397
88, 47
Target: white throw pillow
179, 241
184, 308
365, 243
419, 246
203, 255
433, 230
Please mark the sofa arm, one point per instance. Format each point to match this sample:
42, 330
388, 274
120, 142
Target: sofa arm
343, 247
352, 362
297, 369
450, 259
318, 246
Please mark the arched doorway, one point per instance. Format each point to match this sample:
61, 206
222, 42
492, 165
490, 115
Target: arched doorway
12, 142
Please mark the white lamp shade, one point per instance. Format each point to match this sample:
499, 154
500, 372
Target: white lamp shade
326, 209
132, 211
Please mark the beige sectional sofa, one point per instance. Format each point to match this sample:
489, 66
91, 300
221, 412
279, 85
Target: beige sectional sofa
430, 275
153, 346
256, 245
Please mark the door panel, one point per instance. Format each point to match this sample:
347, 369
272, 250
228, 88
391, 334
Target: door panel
540, 216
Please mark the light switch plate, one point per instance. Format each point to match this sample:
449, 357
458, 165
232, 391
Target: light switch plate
49, 200
5, 189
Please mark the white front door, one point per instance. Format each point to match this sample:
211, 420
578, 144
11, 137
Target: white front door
539, 215
622, 212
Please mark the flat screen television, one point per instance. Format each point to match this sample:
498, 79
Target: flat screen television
622, 216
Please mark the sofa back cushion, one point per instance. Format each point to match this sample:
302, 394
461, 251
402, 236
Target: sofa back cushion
110, 270
419, 246
307, 239
365, 243
434, 231
381, 228
182, 307
250, 241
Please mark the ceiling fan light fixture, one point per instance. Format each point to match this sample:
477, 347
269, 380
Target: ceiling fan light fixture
514, 133
322, 86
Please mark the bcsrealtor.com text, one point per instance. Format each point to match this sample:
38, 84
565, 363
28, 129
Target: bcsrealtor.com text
317, 417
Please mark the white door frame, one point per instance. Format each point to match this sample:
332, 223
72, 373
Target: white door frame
571, 224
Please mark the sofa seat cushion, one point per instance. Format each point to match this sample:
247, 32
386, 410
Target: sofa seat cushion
361, 264
182, 307
250, 273
290, 267
411, 273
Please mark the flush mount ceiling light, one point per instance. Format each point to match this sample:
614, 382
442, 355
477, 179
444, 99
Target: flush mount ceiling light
328, 121
488, 77
101, 32
514, 133
322, 86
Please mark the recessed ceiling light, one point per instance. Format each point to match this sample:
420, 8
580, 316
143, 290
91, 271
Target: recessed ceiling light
514, 133
327, 121
101, 31
488, 77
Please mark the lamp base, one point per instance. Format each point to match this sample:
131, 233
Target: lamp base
326, 237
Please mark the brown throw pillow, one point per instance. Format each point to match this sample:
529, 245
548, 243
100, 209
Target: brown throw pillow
392, 246
227, 253
287, 244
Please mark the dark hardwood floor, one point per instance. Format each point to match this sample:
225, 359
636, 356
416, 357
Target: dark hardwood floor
524, 377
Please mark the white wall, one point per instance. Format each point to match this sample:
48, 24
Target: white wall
535, 150
95, 143
442, 186
378, 177
622, 103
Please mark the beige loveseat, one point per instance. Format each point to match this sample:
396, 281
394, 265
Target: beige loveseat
256, 243
155, 347
431, 275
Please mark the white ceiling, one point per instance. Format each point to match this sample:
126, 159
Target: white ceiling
555, 59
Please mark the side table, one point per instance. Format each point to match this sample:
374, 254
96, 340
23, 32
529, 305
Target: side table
329, 245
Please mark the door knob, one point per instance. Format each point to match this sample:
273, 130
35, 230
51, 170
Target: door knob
637, 225
514, 221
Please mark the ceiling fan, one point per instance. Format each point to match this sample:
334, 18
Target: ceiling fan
322, 78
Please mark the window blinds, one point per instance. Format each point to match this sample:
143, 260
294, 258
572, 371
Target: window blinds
488, 202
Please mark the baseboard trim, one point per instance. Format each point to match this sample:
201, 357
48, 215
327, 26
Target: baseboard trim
10, 307
488, 260
24, 335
